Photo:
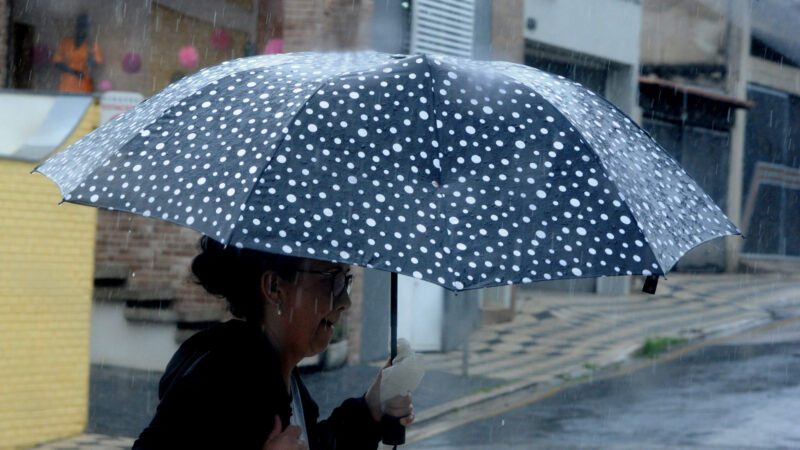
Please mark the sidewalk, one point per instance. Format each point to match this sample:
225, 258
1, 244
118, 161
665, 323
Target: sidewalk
554, 338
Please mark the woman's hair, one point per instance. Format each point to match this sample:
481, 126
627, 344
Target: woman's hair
235, 274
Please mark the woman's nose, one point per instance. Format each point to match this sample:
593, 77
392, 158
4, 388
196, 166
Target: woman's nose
343, 302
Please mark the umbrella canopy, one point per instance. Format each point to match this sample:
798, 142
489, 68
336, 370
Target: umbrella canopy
463, 173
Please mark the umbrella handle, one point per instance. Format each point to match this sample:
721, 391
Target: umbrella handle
393, 432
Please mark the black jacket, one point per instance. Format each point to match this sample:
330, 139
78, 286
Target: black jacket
222, 390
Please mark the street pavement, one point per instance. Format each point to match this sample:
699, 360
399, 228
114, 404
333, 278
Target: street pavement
741, 392
555, 338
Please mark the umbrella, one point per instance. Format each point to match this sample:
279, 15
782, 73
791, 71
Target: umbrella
467, 174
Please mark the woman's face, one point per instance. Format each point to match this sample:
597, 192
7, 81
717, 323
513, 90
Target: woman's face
311, 310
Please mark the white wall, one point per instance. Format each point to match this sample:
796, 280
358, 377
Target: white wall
117, 342
607, 29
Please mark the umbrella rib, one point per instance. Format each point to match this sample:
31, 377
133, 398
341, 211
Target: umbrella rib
267, 161
602, 163
325, 79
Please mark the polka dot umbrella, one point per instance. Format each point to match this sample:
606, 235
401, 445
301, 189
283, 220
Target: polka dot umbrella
467, 174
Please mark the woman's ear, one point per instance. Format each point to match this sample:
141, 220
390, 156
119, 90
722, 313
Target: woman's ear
269, 287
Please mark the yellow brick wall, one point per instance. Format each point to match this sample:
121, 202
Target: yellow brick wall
46, 273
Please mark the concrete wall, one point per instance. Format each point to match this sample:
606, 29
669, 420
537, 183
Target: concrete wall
46, 271
684, 32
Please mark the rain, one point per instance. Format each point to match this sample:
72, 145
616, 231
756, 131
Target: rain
378, 224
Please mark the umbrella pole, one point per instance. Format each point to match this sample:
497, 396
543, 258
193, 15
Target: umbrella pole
393, 432
394, 315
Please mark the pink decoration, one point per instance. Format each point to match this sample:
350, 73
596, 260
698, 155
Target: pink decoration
273, 46
188, 57
131, 62
220, 39
41, 54
104, 85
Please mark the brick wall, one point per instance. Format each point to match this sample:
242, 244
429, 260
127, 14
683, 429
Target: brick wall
4, 13
326, 24
158, 255
169, 31
508, 40
46, 271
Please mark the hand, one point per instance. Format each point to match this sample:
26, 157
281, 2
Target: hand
288, 439
399, 406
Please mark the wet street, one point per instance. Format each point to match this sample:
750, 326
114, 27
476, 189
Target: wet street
741, 393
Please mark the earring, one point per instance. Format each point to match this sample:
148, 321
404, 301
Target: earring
279, 308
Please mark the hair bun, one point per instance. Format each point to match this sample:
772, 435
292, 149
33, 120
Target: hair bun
213, 267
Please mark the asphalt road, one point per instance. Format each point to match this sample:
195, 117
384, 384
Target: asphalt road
740, 393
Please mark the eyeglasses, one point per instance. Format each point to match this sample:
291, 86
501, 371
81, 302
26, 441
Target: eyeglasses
341, 281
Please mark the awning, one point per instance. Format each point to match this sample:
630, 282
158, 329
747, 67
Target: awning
35, 125
707, 94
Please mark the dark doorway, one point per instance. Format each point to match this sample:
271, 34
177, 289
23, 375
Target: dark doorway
21, 73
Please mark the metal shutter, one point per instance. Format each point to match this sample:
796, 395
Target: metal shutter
443, 26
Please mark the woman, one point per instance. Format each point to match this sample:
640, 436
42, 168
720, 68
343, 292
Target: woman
236, 385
